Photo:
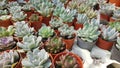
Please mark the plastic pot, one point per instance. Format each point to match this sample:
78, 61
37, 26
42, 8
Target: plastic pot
103, 44
84, 44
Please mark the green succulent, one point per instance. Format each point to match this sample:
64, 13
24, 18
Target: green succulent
68, 15
89, 33
44, 8
116, 14
82, 8
13, 3
3, 12
34, 17
115, 25
54, 45
29, 43
109, 33
91, 13
37, 59
67, 61
22, 29
18, 16
58, 10
27, 7
45, 32
6, 32
9, 59
66, 31
82, 18
15, 9
56, 22
107, 8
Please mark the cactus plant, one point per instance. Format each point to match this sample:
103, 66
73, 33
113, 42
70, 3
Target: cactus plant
54, 45
89, 33
22, 29
45, 32
56, 22
67, 61
37, 59
29, 42
6, 32
82, 18
18, 16
115, 25
109, 34
66, 31
68, 15
9, 59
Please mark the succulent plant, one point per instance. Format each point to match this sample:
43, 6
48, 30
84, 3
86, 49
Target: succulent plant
5, 17
89, 33
18, 16
73, 4
116, 14
7, 43
8, 59
107, 8
115, 25
57, 3
118, 43
6, 32
68, 15
82, 18
91, 2
15, 9
95, 22
29, 42
22, 29
44, 8
66, 31
91, 13
82, 8
45, 32
37, 59
34, 17
54, 45
58, 10
27, 7
3, 4
13, 3
56, 22
67, 61
109, 34
3, 12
